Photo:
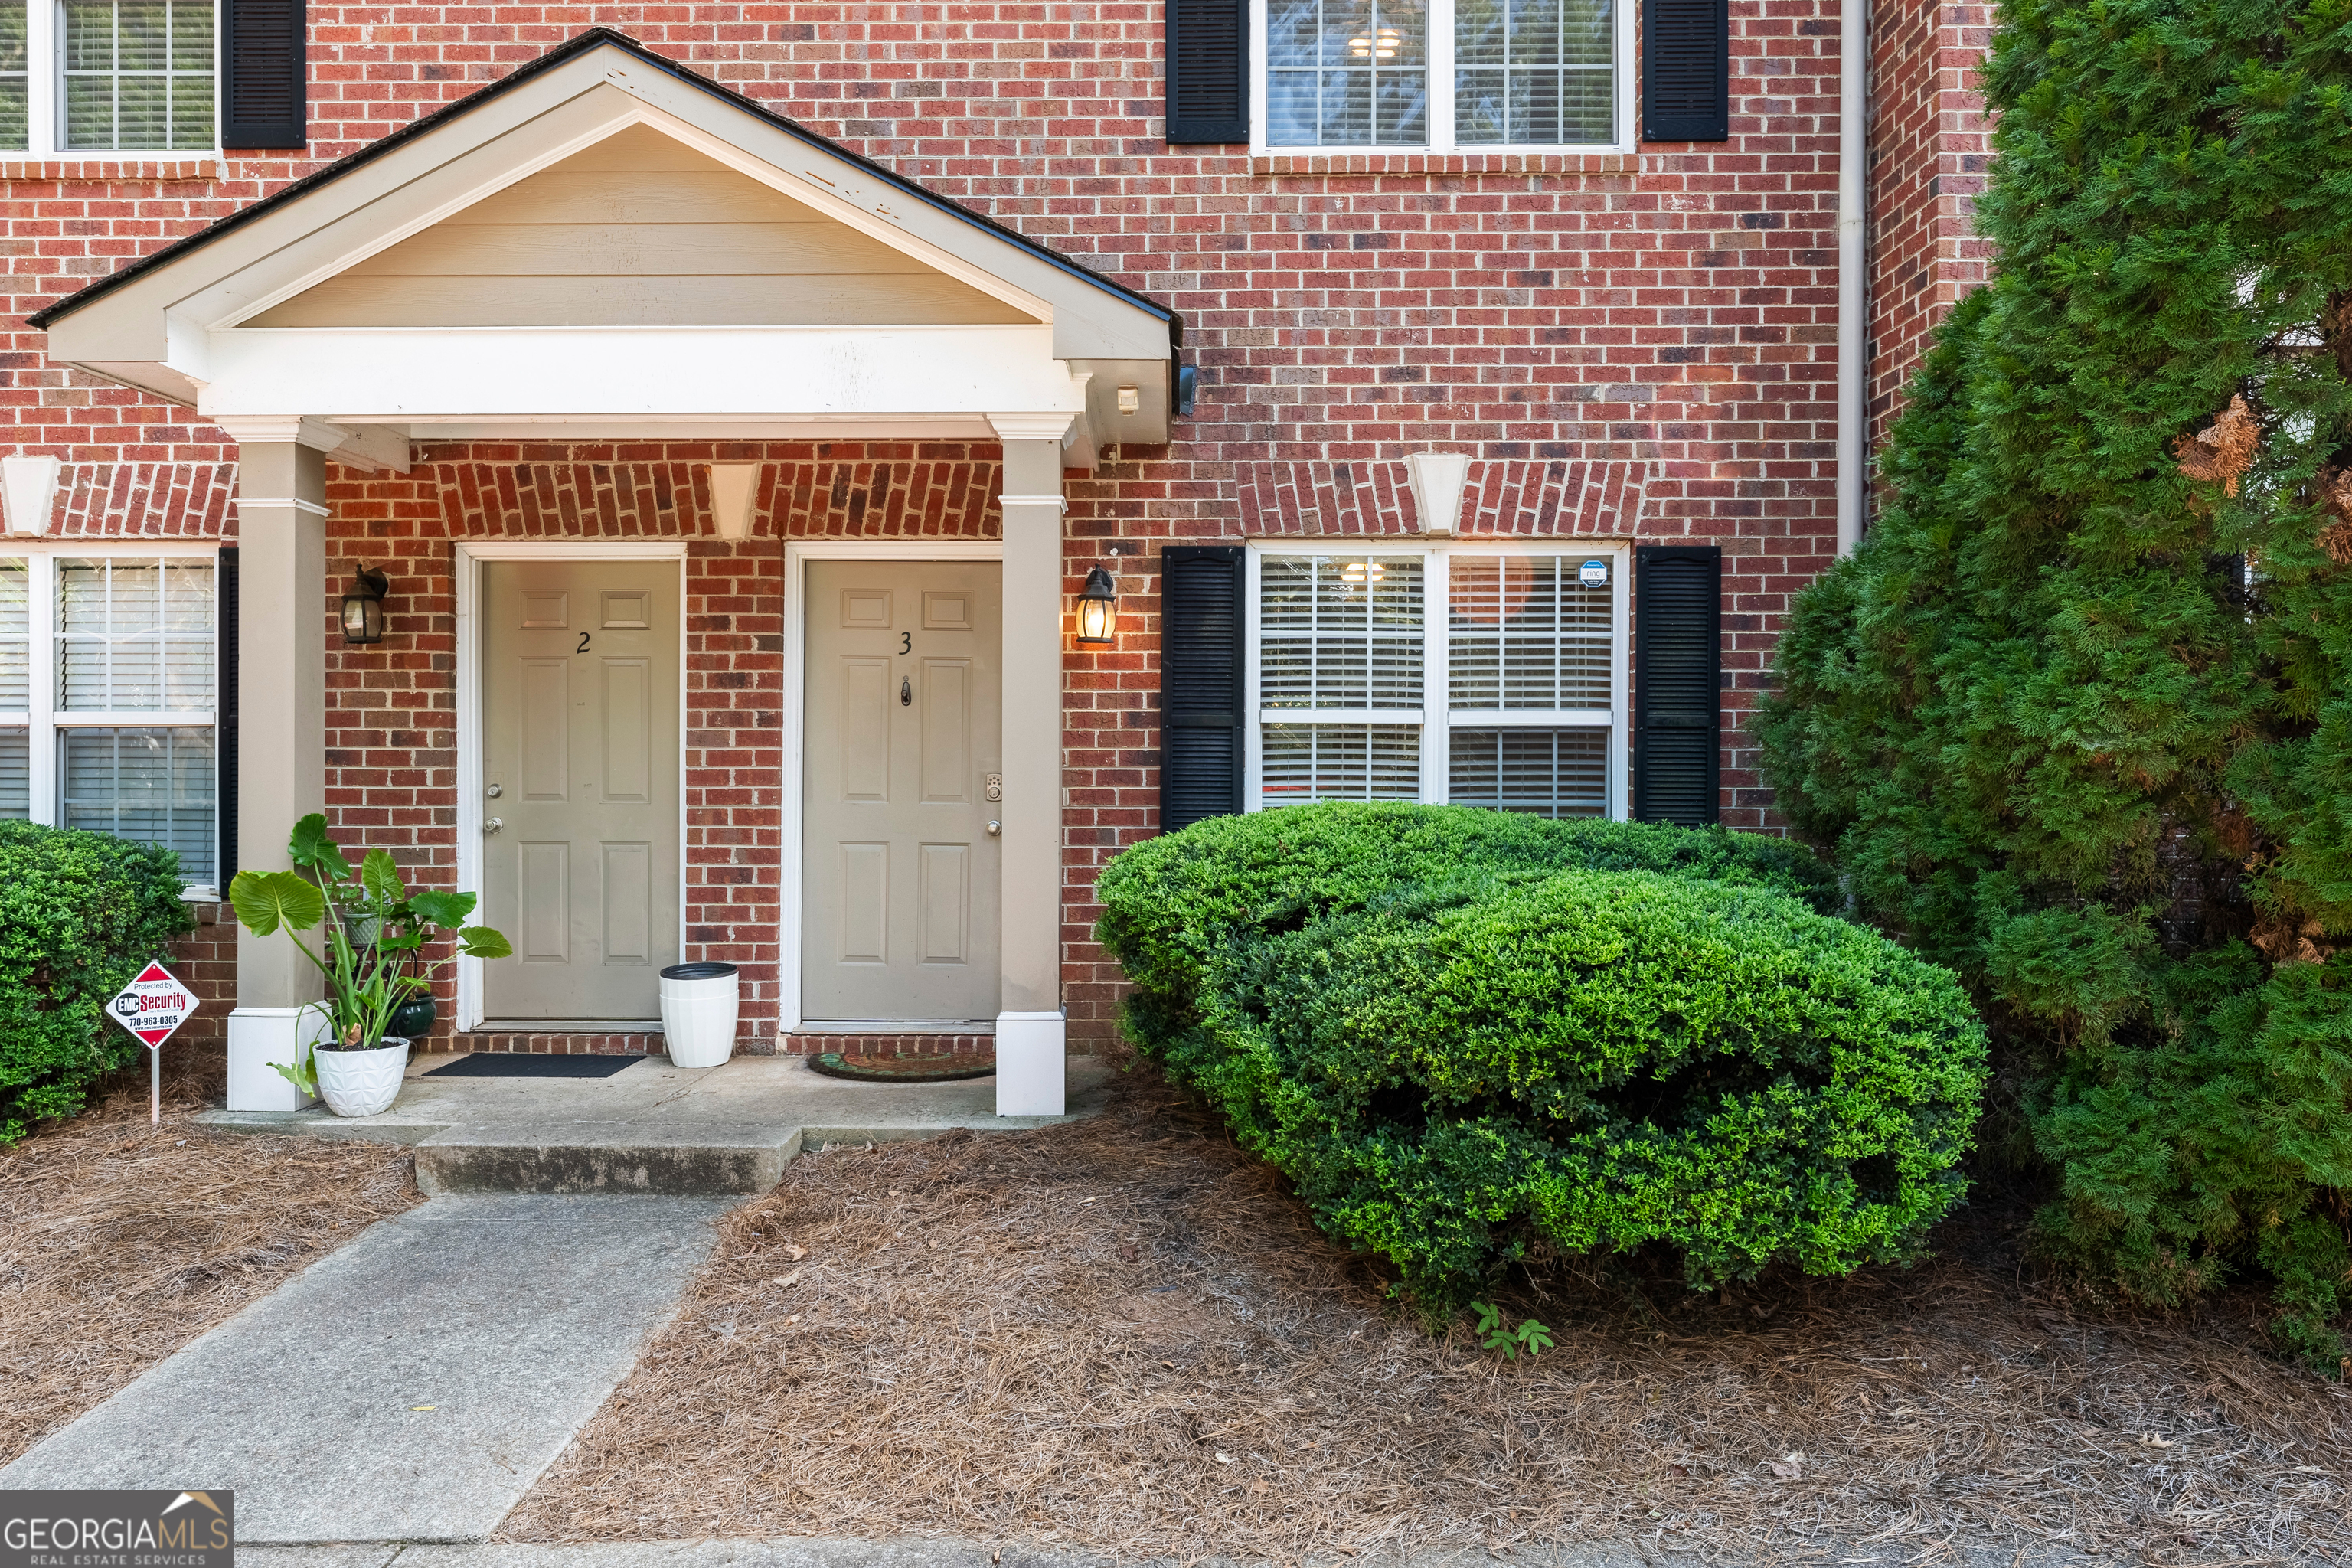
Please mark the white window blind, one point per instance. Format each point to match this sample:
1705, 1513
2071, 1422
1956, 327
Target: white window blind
1533, 72
1347, 73
1527, 634
1551, 773
107, 697
1476, 673
138, 75
109, 76
1439, 74
1342, 762
15, 689
134, 635
15, 81
1342, 633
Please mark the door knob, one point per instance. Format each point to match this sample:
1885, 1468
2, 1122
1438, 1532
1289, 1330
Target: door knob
492, 825
994, 829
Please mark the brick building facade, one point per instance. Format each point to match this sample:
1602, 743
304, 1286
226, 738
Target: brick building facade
1633, 344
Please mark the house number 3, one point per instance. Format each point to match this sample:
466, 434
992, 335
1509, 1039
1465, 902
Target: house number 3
906, 642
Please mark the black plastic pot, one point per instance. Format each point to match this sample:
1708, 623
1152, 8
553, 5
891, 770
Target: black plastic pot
413, 1019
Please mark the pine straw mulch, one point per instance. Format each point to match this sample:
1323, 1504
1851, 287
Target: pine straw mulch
1122, 1334
120, 1242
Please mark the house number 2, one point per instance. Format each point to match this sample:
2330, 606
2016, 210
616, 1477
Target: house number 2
583, 644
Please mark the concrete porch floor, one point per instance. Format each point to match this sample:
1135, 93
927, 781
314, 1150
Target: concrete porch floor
652, 1126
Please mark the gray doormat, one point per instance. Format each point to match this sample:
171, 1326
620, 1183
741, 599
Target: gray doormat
529, 1064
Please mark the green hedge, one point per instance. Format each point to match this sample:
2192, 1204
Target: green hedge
1467, 1037
81, 913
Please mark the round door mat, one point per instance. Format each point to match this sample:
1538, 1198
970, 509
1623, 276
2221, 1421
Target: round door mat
903, 1069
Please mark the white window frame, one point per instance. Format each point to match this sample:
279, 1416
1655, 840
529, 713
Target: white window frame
1440, 98
1436, 717
45, 97
42, 719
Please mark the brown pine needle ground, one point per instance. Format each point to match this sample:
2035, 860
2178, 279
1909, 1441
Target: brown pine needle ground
1123, 1335
119, 1242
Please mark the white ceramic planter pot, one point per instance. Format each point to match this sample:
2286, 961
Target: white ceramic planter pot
698, 1003
361, 1083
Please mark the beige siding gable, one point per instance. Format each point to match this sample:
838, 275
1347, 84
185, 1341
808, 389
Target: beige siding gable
639, 230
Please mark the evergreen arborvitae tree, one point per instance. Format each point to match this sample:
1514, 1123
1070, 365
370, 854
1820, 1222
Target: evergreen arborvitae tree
2076, 719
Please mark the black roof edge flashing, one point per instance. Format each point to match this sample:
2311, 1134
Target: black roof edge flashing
594, 37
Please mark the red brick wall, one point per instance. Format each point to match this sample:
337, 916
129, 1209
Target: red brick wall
391, 706
1930, 143
205, 962
1665, 322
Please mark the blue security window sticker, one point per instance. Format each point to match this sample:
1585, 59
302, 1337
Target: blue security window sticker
1593, 573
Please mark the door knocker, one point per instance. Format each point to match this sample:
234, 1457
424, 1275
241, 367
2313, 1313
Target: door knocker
906, 693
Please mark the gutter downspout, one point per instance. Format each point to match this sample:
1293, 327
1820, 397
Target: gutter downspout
1852, 328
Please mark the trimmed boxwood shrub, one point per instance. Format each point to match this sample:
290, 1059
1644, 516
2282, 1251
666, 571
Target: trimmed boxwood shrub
1170, 900
81, 913
1467, 1038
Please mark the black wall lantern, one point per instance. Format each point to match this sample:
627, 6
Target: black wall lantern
363, 606
1098, 610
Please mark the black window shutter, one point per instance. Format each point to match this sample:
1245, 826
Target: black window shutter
1208, 72
1677, 682
1687, 70
266, 100
225, 717
1201, 652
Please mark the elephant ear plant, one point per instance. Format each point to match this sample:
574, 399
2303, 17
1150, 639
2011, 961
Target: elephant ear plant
368, 980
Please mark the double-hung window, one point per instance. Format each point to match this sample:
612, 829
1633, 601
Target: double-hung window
1471, 673
107, 688
107, 75
1464, 74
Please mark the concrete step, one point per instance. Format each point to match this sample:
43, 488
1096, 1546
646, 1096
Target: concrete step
653, 1129
606, 1157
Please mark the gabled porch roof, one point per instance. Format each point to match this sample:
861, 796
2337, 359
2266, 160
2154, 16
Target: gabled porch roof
606, 245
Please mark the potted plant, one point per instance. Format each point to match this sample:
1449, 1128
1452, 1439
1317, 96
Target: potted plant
357, 1068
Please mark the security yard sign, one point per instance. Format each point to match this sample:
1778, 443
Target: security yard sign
152, 1005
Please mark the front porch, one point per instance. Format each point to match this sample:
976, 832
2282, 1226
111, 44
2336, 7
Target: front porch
653, 1127
606, 310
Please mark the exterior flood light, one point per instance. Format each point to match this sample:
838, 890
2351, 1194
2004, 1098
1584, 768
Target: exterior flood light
1098, 610
363, 606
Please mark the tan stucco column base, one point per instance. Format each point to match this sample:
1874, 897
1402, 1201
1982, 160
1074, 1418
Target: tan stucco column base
281, 767
1032, 1055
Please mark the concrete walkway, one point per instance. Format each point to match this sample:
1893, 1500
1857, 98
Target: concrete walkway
652, 1127
410, 1386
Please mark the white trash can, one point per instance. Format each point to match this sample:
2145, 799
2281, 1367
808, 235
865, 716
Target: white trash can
697, 1010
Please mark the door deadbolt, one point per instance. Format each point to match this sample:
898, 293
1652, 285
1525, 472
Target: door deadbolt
495, 791
992, 787
906, 692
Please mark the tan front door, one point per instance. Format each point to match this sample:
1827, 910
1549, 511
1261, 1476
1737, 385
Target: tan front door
901, 872
580, 771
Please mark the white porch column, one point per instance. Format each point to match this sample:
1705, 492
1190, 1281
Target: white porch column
1031, 1045
281, 763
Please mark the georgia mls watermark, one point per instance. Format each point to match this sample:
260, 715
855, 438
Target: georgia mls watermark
118, 1529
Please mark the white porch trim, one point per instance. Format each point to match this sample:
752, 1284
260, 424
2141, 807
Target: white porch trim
175, 324
467, 572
